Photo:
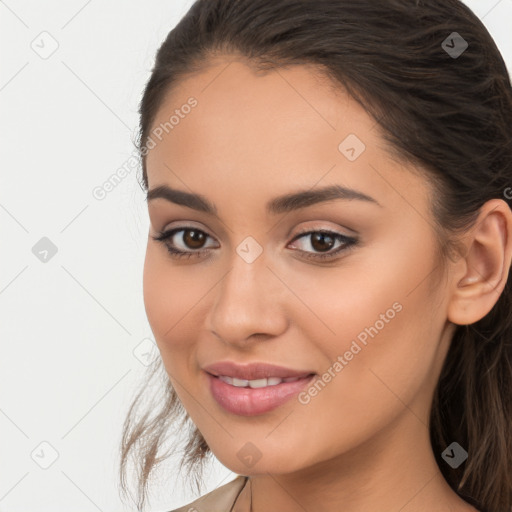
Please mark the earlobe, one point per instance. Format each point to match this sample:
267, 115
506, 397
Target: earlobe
485, 267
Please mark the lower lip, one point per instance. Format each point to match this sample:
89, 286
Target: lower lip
249, 401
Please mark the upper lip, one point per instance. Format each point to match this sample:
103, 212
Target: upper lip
253, 371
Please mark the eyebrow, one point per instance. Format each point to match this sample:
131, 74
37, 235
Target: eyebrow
282, 204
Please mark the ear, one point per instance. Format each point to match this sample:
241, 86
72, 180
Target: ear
480, 276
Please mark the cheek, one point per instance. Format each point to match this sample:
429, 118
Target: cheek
171, 299
378, 336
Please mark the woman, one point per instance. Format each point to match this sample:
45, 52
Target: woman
327, 268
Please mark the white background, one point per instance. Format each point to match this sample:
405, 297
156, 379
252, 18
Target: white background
69, 326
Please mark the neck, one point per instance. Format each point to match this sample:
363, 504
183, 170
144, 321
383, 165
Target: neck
394, 471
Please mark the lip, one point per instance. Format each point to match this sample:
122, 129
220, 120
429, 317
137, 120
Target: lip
251, 371
252, 401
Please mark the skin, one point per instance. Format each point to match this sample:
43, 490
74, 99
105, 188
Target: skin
362, 442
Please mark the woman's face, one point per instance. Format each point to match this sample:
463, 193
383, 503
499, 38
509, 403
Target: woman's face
370, 320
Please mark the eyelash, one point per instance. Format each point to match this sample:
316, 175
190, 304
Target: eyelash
348, 243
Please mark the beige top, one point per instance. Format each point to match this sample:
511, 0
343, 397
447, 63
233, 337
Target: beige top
227, 498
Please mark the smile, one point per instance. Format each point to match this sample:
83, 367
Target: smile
256, 383
245, 397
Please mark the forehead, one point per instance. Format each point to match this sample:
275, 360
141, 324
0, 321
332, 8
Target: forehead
259, 131
239, 107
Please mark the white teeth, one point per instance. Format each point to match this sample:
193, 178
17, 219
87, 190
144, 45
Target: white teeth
256, 383
228, 380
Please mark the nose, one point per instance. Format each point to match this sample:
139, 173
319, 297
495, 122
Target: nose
248, 303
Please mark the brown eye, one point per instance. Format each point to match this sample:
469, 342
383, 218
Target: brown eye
193, 238
322, 241
189, 243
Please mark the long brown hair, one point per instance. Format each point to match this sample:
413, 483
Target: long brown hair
448, 113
